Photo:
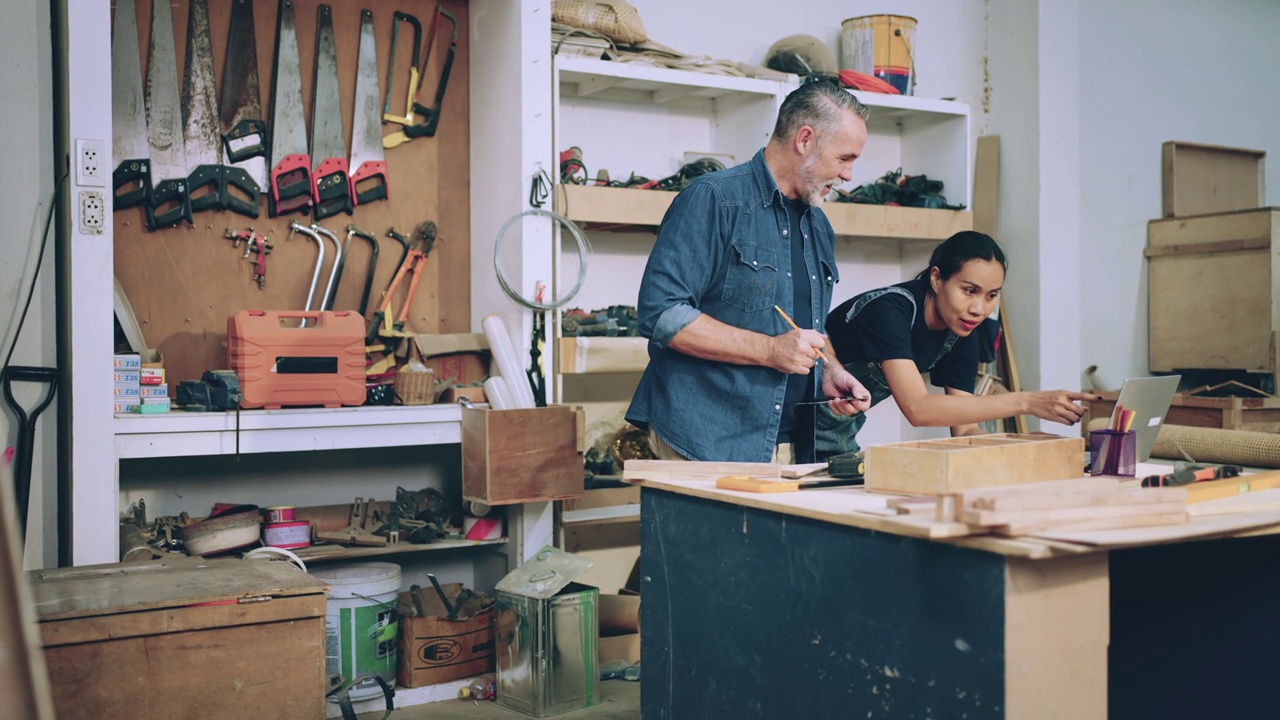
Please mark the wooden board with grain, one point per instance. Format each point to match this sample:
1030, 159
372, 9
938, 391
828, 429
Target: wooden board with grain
184, 282
956, 464
1197, 179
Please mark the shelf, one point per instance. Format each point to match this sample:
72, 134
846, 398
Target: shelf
591, 516
579, 355
608, 80
626, 206
331, 553
180, 434
900, 106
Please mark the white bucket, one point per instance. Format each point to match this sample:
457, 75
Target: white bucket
360, 623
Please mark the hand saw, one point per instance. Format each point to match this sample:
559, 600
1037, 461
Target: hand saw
431, 115
330, 177
208, 181
244, 133
169, 203
369, 181
290, 177
131, 181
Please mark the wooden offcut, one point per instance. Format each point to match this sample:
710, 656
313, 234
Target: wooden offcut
518, 456
956, 464
184, 282
119, 639
1199, 179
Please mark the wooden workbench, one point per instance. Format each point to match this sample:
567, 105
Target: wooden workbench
820, 604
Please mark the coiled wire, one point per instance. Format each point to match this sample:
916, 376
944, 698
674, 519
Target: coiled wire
584, 250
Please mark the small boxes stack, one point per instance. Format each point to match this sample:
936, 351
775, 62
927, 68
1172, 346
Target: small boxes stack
128, 389
154, 391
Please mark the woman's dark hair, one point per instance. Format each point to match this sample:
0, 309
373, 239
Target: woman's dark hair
959, 249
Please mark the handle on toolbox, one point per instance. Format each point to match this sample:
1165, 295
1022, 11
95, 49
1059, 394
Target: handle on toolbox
311, 315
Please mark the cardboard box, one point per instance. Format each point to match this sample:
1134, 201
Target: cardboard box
620, 647
934, 467
118, 640
460, 357
619, 628
519, 456
434, 650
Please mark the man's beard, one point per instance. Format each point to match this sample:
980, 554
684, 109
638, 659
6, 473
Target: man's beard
811, 186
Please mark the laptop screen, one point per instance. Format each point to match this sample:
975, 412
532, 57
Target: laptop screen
1149, 398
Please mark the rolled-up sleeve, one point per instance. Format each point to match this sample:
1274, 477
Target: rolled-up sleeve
682, 265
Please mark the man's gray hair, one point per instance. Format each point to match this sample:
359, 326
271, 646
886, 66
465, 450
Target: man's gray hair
820, 105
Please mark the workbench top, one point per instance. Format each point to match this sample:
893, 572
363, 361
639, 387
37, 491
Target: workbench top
1256, 513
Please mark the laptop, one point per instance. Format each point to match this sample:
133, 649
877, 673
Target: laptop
1149, 398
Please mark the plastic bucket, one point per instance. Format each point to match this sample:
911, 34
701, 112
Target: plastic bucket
883, 46
360, 623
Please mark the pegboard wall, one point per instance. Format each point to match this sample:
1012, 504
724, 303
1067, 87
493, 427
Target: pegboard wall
185, 281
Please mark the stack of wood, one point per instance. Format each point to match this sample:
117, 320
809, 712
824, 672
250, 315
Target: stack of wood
1094, 503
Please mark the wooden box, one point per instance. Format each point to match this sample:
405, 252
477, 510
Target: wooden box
518, 456
1200, 179
183, 638
1226, 413
1214, 291
934, 467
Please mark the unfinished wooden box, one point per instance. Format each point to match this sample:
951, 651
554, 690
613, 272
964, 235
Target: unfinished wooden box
1214, 291
1226, 413
519, 456
1200, 179
183, 638
933, 467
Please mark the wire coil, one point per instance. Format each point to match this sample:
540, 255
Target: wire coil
584, 250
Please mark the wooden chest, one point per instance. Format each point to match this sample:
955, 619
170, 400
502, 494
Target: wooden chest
518, 456
183, 638
933, 467
1214, 291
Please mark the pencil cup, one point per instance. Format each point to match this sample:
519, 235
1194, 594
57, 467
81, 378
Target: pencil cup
1114, 452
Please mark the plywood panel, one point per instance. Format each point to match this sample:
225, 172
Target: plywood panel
1210, 311
184, 282
1199, 179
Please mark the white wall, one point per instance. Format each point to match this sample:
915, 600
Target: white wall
26, 191
1152, 71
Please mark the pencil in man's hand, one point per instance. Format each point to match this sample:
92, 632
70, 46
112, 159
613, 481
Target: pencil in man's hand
797, 327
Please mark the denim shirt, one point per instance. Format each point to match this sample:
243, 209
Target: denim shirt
723, 249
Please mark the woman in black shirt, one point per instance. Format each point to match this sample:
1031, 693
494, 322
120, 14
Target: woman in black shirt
890, 337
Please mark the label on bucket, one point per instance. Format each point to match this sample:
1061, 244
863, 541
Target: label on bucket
362, 641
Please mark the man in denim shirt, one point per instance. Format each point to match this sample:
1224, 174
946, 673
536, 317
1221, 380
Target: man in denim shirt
725, 369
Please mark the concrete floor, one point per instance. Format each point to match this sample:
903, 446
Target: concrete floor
621, 701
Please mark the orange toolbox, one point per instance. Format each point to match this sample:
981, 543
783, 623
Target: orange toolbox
320, 362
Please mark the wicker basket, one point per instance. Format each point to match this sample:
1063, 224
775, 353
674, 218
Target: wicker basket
415, 387
617, 20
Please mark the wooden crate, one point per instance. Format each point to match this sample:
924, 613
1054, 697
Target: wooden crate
518, 456
1199, 179
183, 638
933, 467
1214, 291
1226, 413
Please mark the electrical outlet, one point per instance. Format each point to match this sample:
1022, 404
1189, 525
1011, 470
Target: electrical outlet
91, 159
93, 213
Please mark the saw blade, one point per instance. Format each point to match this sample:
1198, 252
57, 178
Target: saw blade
331, 189
199, 104
368, 163
128, 111
164, 114
240, 104
290, 177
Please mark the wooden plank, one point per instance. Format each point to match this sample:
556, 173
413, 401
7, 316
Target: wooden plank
1253, 502
986, 185
904, 223
1198, 527
695, 470
184, 282
1210, 311
1049, 516
1048, 501
1198, 179
1217, 227
1095, 523
802, 469
172, 582
1056, 636
610, 205
1208, 248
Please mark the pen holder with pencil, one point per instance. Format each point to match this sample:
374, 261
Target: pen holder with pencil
1114, 452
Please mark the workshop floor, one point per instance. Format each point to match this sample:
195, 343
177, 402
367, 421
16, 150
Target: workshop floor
621, 702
